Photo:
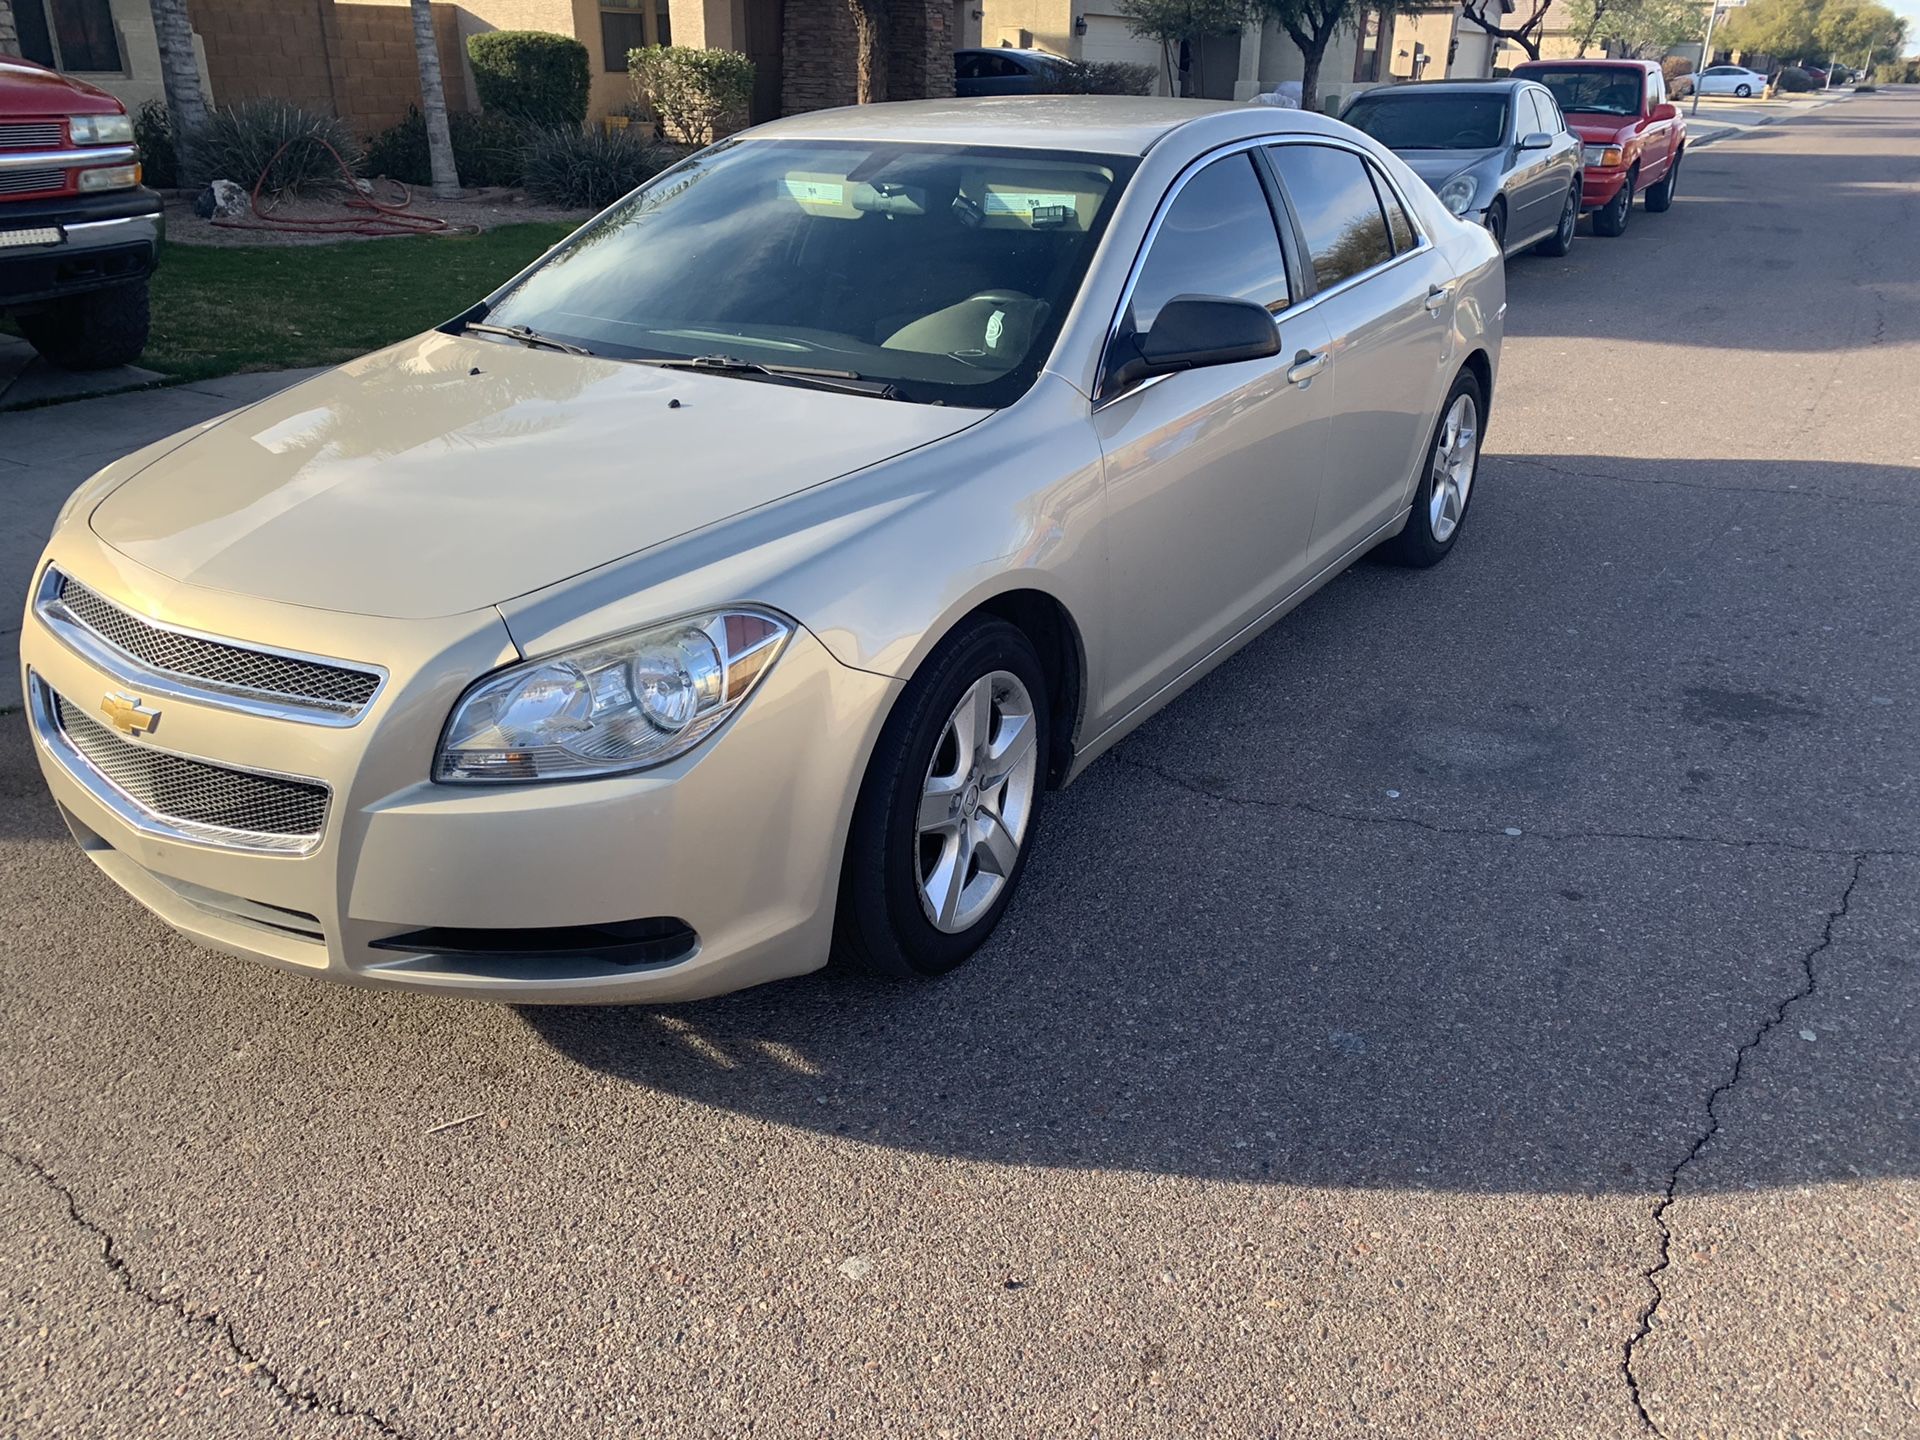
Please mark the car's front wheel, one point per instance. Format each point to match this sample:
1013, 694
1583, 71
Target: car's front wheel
945, 816
1611, 218
93, 330
1446, 484
1497, 223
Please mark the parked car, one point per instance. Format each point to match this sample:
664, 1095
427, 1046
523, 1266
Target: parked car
1006, 71
79, 234
1730, 80
1633, 136
1496, 152
737, 579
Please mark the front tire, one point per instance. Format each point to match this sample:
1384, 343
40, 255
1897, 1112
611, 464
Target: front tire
1611, 218
1561, 241
1497, 224
1446, 485
1660, 197
945, 818
91, 331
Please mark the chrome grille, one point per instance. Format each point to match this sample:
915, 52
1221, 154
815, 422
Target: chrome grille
233, 669
196, 798
32, 134
25, 182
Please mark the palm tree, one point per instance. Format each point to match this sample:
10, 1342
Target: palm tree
433, 103
180, 75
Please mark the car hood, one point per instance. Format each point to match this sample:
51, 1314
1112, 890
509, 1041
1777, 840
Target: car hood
450, 473
28, 90
1436, 167
1601, 129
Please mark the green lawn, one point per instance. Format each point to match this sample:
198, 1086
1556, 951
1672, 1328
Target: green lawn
216, 311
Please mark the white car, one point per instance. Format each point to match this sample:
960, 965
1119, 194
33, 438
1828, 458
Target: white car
1730, 80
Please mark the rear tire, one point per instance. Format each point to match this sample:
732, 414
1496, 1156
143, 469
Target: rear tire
1450, 465
91, 331
1660, 197
1561, 241
906, 851
1743, 92
1611, 218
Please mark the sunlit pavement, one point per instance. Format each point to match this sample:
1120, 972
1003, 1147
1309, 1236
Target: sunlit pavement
1485, 1007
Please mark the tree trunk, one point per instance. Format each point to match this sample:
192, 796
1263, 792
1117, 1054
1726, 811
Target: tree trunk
1599, 14
870, 43
433, 103
180, 75
1311, 55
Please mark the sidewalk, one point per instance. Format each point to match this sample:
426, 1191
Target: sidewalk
45, 453
1721, 116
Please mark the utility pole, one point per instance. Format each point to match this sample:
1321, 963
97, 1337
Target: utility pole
1706, 57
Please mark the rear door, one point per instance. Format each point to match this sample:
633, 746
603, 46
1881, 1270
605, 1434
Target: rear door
1212, 475
1386, 298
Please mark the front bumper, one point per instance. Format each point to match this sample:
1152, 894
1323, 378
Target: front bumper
1598, 187
738, 842
90, 242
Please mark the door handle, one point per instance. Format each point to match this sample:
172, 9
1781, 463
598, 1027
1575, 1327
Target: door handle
1437, 299
1305, 366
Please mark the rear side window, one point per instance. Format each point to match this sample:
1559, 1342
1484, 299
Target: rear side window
1334, 200
1217, 238
1397, 222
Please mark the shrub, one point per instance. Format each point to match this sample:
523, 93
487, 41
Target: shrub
531, 75
1105, 77
1679, 72
1793, 81
588, 169
238, 142
487, 149
699, 95
153, 136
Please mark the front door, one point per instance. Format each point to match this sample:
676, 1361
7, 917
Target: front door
1211, 474
763, 40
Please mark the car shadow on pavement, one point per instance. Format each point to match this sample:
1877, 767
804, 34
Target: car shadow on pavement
1426, 888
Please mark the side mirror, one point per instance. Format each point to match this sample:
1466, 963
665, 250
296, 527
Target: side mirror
1665, 110
1538, 140
1192, 331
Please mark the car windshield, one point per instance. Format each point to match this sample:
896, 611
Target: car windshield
1431, 121
943, 271
1592, 91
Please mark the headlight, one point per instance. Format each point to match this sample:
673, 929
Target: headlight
1457, 194
617, 705
110, 177
100, 129
1605, 156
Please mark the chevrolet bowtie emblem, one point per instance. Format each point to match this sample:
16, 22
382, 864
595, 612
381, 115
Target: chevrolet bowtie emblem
128, 714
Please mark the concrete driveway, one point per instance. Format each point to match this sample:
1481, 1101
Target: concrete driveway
1485, 1007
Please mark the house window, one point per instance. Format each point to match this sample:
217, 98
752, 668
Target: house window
73, 35
631, 25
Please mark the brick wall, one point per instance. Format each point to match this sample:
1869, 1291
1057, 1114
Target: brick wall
818, 69
354, 60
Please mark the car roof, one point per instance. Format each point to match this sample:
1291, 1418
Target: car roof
1030, 54
1430, 87
1099, 124
1585, 63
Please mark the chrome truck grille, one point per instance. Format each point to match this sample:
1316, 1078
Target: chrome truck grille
32, 134
202, 667
179, 796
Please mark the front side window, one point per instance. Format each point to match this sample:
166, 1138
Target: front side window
945, 271
1334, 201
1216, 238
1430, 121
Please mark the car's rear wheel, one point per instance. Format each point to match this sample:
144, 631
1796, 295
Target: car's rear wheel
1660, 197
945, 816
91, 331
1611, 218
1446, 484
1743, 91
1561, 241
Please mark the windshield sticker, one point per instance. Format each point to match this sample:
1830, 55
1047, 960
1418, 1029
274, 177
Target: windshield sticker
1028, 204
996, 327
817, 192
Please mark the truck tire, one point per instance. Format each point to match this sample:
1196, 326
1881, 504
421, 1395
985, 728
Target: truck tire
1660, 197
92, 331
1611, 218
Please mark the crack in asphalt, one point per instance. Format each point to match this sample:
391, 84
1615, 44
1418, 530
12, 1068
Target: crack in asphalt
1795, 492
1810, 982
1494, 832
298, 1398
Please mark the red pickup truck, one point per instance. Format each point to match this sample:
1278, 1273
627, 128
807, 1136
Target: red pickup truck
1631, 135
79, 234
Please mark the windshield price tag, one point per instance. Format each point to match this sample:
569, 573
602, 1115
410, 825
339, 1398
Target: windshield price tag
817, 192
1027, 204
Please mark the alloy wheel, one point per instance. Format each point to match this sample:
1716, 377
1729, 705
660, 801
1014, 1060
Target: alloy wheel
975, 802
1570, 217
1453, 462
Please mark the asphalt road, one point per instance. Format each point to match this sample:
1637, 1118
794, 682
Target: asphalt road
1486, 1007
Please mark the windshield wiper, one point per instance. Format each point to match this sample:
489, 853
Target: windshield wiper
526, 335
850, 381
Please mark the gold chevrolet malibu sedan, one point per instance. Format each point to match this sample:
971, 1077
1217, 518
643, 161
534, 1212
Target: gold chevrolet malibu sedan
728, 588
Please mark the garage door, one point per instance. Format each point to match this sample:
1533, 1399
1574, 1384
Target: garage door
1108, 38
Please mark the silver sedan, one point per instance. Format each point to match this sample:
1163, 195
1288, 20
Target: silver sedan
730, 587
